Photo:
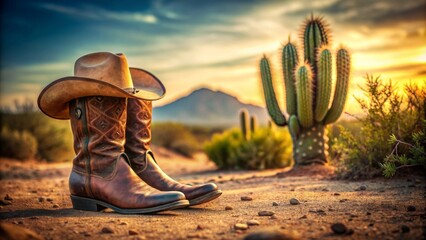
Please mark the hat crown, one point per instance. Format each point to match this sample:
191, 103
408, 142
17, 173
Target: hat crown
106, 67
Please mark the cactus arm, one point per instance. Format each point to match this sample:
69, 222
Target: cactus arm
270, 98
289, 62
293, 126
304, 95
342, 84
323, 87
244, 123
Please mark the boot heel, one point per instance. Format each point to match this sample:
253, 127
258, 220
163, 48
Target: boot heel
85, 204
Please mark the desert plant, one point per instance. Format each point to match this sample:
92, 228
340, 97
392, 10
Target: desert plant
17, 144
308, 86
175, 137
368, 152
253, 124
244, 125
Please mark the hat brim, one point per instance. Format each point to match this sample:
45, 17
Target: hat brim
54, 98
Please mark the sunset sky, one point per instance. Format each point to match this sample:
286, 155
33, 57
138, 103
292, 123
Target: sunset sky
190, 44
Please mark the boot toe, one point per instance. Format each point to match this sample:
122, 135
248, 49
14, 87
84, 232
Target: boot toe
200, 190
157, 199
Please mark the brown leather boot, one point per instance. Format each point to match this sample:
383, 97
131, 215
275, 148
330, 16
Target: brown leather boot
137, 147
101, 176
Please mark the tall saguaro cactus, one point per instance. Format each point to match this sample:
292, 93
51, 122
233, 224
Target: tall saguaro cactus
308, 87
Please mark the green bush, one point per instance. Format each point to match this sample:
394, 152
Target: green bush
362, 154
176, 137
17, 144
53, 137
266, 148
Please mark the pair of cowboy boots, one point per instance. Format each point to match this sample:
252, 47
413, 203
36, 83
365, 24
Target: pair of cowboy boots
114, 162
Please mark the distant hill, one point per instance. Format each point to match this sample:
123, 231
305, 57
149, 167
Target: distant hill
207, 107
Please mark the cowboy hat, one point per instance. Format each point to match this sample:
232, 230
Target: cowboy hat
99, 74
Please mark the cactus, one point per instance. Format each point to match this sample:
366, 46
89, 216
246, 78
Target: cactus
308, 87
244, 123
253, 124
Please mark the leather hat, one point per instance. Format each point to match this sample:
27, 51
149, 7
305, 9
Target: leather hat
99, 74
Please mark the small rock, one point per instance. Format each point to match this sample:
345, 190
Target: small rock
5, 202
325, 190
368, 213
343, 200
41, 199
124, 223
133, 232
107, 230
229, 208
200, 227
411, 208
362, 188
275, 204
253, 222
265, 213
294, 201
246, 198
405, 229
303, 217
8, 197
49, 199
336, 194
55, 206
339, 228
273, 217
240, 226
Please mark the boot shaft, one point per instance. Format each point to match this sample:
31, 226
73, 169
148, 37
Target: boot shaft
98, 125
138, 130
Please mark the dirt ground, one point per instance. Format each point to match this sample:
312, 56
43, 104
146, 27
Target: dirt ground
386, 209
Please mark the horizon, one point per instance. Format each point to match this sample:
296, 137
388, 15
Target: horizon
214, 45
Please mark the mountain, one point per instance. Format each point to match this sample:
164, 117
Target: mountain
207, 107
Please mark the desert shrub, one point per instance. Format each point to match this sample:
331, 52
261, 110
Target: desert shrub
53, 137
266, 148
405, 154
17, 144
362, 154
176, 137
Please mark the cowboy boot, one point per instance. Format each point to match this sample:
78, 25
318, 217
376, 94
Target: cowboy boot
101, 176
137, 147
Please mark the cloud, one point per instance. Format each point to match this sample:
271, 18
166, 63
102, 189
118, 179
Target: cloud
96, 13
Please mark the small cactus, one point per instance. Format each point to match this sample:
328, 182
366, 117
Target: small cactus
253, 124
308, 86
244, 123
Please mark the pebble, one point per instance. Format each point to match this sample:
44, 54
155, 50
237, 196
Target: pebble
8, 197
336, 194
343, 200
303, 217
41, 199
325, 190
411, 208
240, 226
265, 213
133, 232
228, 208
200, 227
246, 198
362, 187
107, 230
5, 202
405, 229
294, 201
253, 222
339, 228
124, 223
368, 213
55, 206
275, 204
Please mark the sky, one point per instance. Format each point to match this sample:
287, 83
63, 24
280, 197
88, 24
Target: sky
190, 44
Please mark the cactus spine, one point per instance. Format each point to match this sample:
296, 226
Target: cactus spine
308, 86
